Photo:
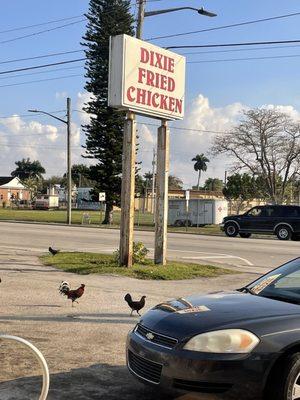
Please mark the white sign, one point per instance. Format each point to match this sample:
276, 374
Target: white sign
146, 79
102, 196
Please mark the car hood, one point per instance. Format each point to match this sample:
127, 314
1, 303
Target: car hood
186, 317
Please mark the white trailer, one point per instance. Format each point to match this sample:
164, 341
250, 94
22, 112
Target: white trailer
196, 212
46, 201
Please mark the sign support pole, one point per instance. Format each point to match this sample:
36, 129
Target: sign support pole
128, 190
162, 194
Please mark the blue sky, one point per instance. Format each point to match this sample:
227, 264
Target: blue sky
251, 83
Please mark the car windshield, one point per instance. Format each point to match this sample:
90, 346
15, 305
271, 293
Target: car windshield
281, 284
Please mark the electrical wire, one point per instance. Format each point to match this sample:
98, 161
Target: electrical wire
41, 72
41, 66
40, 32
225, 26
41, 80
234, 44
244, 59
42, 56
40, 24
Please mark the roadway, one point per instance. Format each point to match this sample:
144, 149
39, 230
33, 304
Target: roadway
253, 255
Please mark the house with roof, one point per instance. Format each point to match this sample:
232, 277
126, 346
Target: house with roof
12, 189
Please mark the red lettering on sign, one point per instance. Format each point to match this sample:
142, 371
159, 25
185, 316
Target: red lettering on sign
129, 96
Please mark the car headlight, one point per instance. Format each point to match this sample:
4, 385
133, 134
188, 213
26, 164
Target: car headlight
223, 341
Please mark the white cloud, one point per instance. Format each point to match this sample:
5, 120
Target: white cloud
82, 99
61, 95
20, 138
185, 144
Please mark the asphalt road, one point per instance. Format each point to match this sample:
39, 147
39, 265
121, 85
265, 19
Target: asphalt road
253, 255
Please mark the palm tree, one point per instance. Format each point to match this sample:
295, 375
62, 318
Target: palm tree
200, 165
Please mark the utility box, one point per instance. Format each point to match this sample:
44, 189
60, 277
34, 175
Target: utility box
196, 212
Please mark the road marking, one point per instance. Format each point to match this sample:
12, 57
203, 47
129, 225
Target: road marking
219, 256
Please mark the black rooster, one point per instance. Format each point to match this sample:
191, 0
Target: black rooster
135, 305
53, 251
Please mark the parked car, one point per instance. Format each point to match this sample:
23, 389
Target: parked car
282, 221
242, 344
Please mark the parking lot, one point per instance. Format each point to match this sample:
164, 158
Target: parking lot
84, 345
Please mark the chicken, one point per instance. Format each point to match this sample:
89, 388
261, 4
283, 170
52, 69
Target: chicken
73, 295
135, 305
53, 251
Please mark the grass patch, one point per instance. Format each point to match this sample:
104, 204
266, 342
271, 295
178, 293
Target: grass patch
142, 221
94, 263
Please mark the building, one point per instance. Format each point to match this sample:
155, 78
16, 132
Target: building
12, 189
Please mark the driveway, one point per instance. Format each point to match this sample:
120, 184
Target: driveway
84, 345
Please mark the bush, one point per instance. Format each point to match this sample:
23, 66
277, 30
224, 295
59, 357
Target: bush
140, 252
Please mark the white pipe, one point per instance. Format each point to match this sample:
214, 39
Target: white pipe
41, 360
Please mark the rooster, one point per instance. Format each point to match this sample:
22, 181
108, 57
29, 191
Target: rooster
135, 305
53, 251
73, 295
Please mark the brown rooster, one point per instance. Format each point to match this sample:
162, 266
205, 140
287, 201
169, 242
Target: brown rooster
73, 295
135, 305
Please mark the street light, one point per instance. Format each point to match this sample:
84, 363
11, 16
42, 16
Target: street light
69, 183
198, 10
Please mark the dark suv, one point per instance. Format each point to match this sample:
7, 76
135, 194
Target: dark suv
283, 221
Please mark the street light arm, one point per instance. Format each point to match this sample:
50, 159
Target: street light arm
50, 115
168, 10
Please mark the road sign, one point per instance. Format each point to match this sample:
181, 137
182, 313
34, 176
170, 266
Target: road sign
102, 196
146, 79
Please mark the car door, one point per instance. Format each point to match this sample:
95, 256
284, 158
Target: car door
254, 220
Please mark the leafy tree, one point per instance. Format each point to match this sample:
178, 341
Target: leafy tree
200, 165
213, 184
28, 169
34, 185
265, 143
241, 188
80, 175
53, 180
104, 133
175, 183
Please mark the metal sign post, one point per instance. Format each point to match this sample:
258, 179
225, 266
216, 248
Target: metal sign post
162, 194
128, 189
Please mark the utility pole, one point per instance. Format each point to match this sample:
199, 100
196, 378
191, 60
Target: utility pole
128, 172
140, 21
162, 194
153, 182
69, 164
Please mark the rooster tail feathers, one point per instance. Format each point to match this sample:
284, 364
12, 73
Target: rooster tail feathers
64, 288
128, 298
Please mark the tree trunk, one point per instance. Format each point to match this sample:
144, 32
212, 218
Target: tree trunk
108, 219
199, 176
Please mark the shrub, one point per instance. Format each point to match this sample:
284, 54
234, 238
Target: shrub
140, 252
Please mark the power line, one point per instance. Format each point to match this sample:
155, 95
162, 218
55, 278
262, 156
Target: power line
41, 72
40, 32
236, 50
234, 44
41, 66
42, 56
40, 80
30, 115
244, 59
226, 26
40, 24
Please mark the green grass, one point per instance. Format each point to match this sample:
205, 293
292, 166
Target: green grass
94, 263
142, 221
